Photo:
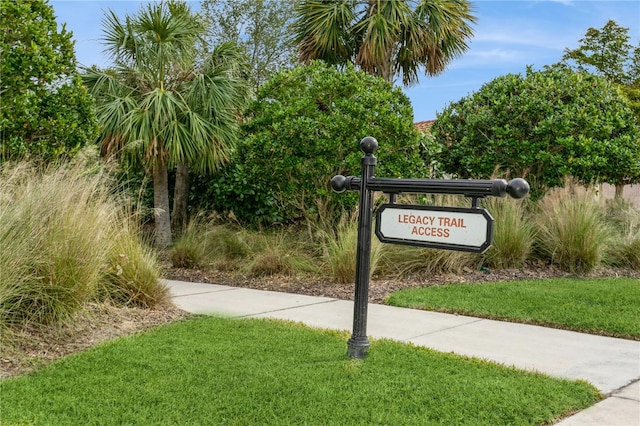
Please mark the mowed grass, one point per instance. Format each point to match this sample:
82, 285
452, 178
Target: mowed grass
609, 306
209, 370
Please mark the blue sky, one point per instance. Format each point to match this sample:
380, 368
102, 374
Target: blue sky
509, 36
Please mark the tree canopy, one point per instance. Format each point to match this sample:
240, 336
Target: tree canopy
608, 52
385, 38
260, 27
543, 125
46, 112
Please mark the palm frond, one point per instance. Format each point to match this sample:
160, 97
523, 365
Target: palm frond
159, 103
384, 37
448, 23
323, 30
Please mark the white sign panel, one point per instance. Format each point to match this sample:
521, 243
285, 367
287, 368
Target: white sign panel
464, 229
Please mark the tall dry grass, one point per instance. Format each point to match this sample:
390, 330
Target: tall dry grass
132, 274
207, 244
278, 252
572, 232
190, 246
340, 250
400, 261
567, 228
60, 227
624, 246
513, 235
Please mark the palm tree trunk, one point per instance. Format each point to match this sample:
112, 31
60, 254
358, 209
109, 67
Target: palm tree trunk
180, 196
386, 71
161, 204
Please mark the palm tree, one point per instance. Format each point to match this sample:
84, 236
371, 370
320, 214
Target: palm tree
162, 106
384, 37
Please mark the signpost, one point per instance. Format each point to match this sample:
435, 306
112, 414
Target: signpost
450, 228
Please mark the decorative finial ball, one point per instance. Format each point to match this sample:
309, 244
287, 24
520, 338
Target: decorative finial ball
518, 188
338, 183
369, 145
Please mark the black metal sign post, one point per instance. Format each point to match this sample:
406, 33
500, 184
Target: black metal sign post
358, 343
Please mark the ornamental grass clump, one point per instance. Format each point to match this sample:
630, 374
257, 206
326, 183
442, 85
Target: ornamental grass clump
189, 248
132, 276
629, 250
204, 243
513, 234
572, 232
277, 253
229, 248
52, 225
401, 261
339, 249
59, 231
624, 248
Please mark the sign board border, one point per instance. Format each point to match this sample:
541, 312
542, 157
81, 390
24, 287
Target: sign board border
443, 246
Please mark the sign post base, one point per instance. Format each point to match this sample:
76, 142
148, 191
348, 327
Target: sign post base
357, 348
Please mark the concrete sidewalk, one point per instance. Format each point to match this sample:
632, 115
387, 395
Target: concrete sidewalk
612, 365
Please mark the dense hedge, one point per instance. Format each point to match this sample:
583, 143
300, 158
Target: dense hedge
303, 128
544, 126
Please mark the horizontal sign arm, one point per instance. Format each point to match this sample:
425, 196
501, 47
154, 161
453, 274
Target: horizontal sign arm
516, 188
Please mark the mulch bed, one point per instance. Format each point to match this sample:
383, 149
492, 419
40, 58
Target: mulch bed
379, 289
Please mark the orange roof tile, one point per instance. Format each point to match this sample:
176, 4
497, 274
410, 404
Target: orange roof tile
424, 126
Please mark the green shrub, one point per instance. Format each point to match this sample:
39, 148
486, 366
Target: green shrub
304, 127
543, 125
513, 234
572, 233
46, 111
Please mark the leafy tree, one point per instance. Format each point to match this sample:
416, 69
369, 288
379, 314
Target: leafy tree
46, 112
384, 38
159, 105
304, 127
632, 93
260, 27
607, 52
543, 126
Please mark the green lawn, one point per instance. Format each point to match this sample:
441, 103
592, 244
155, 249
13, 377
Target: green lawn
209, 370
608, 306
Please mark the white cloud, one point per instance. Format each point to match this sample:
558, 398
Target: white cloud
520, 35
496, 54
